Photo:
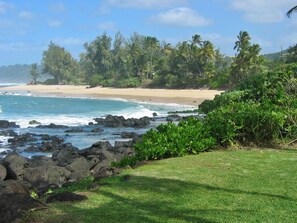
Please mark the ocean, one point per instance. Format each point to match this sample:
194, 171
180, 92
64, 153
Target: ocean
22, 107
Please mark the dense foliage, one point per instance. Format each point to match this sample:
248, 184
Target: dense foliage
59, 63
261, 110
145, 61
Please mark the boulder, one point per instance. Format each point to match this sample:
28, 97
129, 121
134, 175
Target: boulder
79, 164
20, 140
74, 130
173, 118
119, 144
15, 200
111, 121
65, 155
97, 130
46, 147
15, 165
34, 122
120, 121
79, 168
6, 124
38, 161
129, 135
52, 126
3, 172
124, 148
109, 156
66, 196
8, 133
14, 186
102, 170
78, 175
138, 123
44, 176
45, 137
96, 148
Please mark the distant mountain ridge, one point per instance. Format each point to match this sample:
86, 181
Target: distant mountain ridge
275, 56
18, 73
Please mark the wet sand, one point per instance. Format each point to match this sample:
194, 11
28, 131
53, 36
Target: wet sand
192, 97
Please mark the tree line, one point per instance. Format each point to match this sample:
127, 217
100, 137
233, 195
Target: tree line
145, 61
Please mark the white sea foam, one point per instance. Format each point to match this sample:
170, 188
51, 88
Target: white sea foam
78, 120
4, 140
58, 120
138, 112
10, 84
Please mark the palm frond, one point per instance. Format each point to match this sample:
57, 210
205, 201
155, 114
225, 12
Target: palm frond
291, 11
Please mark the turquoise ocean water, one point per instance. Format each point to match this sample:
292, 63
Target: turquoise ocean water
22, 107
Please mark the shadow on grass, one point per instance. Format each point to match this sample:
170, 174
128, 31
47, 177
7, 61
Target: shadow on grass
148, 199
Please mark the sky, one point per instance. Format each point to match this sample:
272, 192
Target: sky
28, 26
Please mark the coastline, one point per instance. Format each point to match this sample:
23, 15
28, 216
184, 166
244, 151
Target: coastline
192, 97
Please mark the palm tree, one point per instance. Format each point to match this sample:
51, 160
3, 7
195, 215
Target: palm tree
243, 41
291, 11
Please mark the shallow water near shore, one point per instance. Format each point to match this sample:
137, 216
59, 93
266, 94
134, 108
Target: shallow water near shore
21, 108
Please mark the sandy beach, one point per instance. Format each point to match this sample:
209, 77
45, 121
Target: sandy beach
186, 97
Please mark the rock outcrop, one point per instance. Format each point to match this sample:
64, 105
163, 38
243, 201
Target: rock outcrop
120, 121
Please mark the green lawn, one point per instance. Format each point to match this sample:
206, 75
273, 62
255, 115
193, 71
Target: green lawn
220, 186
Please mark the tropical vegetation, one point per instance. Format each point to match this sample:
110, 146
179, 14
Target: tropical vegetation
148, 62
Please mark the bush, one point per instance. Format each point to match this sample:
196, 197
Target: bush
221, 100
170, 140
50, 82
220, 81
248, 122
261, 110
172, 81
129, 82
95, 80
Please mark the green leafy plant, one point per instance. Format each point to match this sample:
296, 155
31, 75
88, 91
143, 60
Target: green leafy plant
170, 140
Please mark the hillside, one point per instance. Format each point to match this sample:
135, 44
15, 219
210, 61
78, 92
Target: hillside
19, 73
275, 56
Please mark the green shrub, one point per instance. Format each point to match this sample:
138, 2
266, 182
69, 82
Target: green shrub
129, 82
221, 100
50, 82
95, 80
219, 81
170, 140
250, 122
172, 81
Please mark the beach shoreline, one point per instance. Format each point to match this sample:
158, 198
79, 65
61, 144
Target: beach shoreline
192, 97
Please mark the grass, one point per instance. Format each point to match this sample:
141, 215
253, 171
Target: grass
220, 186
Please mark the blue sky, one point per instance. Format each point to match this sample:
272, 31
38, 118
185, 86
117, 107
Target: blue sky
27, 26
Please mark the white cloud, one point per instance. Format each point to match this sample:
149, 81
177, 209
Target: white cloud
70, 41
26, 15
263, 11
4, 7
107, 26
15, 47
146, 4
57, 7
180, 17
54, 23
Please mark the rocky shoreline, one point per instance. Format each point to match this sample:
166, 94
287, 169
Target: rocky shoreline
20, 175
